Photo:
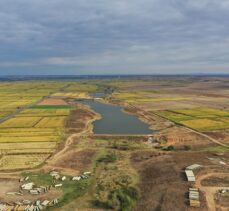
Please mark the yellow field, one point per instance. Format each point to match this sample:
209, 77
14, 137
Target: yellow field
29, 133
71, 94
32, 131
199, 118
44, 112
48, 122
205, 124
202, 112
20, 122
144, 96
29, 139
18, 147
26, 161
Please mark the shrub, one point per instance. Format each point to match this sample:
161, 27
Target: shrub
169, 148
123, 199
108, 158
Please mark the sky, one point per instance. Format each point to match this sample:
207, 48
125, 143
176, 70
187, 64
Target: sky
80, 37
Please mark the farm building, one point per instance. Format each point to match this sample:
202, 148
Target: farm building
194, 198
190, 176
193, 167
28, 186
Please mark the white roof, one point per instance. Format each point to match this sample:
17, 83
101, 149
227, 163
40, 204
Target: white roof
190, 175
28, 186
193, 167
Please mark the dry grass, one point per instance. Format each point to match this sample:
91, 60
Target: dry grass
27, 161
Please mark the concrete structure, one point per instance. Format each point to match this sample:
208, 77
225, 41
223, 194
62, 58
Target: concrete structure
58, 185
27, 186
45, 203
190, 176
193, 167
194, 197
63, 178
76, 178
34, 192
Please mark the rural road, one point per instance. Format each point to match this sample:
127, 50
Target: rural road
210, 191
208, 137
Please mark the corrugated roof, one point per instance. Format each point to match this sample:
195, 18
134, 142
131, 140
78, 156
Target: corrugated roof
193, 167
190, 176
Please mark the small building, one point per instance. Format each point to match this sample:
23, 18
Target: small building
45, 203
27, 186
54, 173
194, 197
58, 185
76, 178
87, 173
190, 176
193, 167
63, 178
26, 202
34, 192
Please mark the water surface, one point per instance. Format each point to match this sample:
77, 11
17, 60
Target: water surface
115, 121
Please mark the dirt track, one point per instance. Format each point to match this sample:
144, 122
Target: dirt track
210, 191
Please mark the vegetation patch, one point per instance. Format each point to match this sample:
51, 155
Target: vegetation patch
70, 189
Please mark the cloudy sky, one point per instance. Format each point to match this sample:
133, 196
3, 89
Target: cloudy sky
114, 36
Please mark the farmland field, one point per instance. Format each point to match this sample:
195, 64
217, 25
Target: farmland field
36, 125
47, 129
20, 122
25, 147
27, 161
44, 112
202, 119
49, 122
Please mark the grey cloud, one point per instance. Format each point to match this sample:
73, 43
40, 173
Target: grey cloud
84, 36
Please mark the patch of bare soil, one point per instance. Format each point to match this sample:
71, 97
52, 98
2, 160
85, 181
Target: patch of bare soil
162, 184
75, 159
223, 202
216, 181
53, 101
13, 185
